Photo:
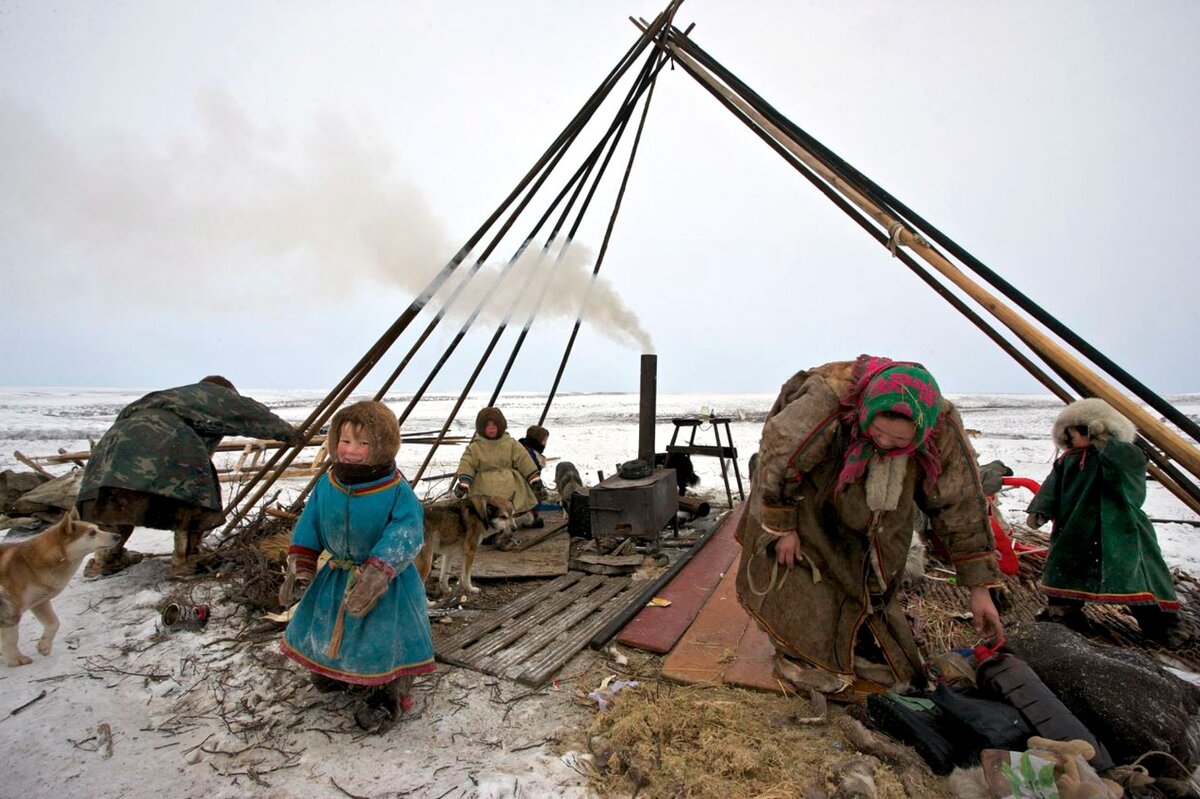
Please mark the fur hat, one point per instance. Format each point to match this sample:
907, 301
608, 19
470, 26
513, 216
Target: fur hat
1101, 420
490, 415
380, 425
538, 434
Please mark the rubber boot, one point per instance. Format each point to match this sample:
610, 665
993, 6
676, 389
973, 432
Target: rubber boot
1067, 612
327, 685
1008, 676
402, 692
385, 704
116, 558
1161, 626
188, 559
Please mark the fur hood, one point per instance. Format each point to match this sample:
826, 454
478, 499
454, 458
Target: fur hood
490, 415
1102, 420
380, 425
537, 434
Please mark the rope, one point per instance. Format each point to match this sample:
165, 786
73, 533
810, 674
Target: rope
775, 582
1137, 764
893, 240
339, 625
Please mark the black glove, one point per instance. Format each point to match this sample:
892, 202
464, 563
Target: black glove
539, 490
370, 584
294, 583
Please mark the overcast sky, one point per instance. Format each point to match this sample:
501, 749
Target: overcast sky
259, 188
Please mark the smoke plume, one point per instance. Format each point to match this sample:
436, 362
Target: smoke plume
239, 217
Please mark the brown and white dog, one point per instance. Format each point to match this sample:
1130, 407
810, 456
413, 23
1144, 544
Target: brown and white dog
35, 571
460, 525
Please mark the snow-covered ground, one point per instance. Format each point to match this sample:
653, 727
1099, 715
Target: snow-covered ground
130, 712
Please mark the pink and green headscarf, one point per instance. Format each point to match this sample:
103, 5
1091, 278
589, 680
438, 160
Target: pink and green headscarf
905, 388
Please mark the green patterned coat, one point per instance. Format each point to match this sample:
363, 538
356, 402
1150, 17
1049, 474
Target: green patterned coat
162, 444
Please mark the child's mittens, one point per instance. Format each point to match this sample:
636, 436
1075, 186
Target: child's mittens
370, 584
294, 583
460, 490
1035, 520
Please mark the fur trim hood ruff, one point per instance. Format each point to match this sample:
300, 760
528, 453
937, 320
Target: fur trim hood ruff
1102, 420
490, 415
378, 422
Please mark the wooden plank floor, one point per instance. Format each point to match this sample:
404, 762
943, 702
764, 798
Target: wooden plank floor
656, 629
545, 559
723, 645
529, 639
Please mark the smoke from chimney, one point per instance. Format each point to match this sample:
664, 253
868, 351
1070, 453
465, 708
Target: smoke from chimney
241, 217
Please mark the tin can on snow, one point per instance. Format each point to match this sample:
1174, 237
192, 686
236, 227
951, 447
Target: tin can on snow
181, 616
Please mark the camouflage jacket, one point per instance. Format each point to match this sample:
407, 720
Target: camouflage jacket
162, 444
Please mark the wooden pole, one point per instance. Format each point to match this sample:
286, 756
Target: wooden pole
1160, 467
1158, 433
240, 505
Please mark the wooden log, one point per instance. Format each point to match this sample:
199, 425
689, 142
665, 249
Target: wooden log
694, 506
1166, 482
246, 446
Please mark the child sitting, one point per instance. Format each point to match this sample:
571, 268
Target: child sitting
1103, 547
534, 443
495, 465
362, 620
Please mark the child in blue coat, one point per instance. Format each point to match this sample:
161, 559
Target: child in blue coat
362, 618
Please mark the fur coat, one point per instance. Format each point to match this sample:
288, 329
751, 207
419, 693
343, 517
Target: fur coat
1102, 547
380, 520
853, 557
499, 466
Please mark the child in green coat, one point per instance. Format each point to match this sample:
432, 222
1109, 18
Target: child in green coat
1103, 547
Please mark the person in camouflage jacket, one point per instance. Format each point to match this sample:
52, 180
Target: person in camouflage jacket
153, 468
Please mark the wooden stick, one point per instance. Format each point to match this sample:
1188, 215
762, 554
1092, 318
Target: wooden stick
32, 464
1192, 522
1165, 480
37, 698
